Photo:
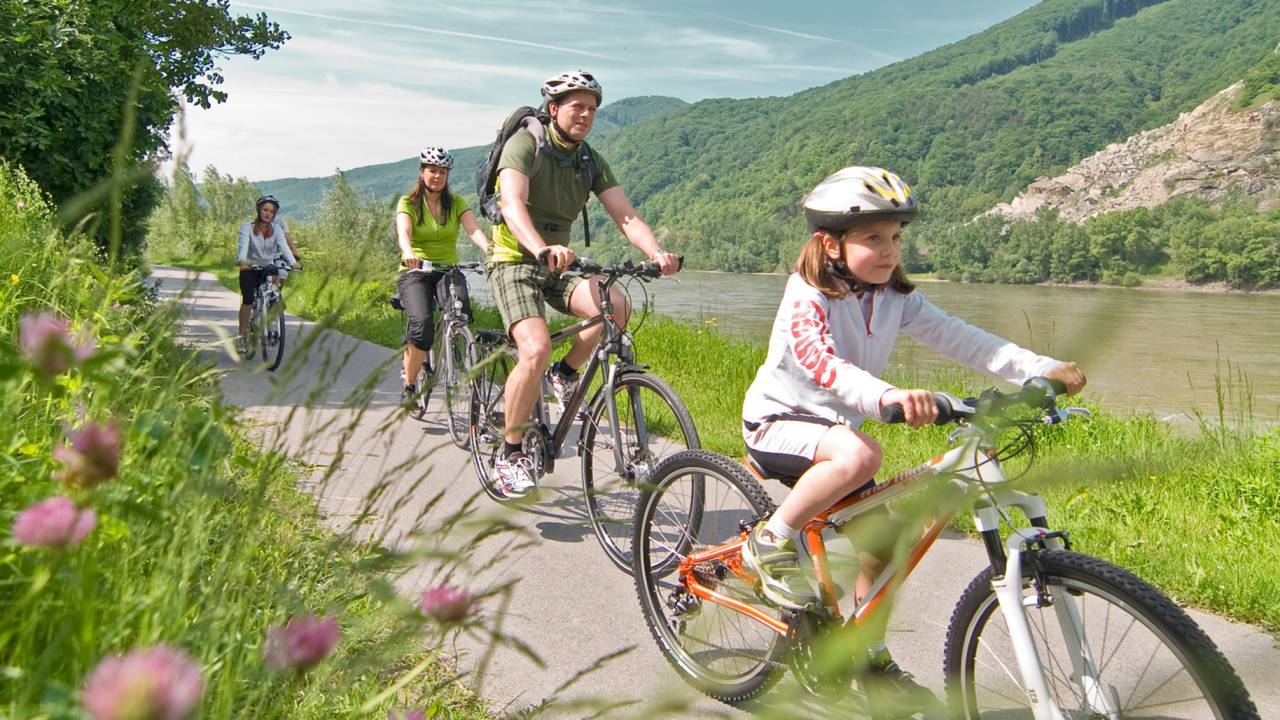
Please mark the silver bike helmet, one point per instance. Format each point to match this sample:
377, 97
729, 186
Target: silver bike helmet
567, 82
436, 155
856, 193
267, 199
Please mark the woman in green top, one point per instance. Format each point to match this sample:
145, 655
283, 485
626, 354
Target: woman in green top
427, 221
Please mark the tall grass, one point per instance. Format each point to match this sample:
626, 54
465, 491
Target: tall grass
202, 542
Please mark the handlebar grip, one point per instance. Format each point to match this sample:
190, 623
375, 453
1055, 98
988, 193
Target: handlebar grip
585, 266
1045, 389
893, 414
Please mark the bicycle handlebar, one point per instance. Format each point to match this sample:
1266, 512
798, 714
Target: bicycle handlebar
1038, 392
646, 270
277, 266
427, 266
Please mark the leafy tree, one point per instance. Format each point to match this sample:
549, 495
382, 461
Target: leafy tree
1070, 259
68, 69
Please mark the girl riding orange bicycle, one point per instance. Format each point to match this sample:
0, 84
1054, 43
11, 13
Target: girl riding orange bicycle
841, 312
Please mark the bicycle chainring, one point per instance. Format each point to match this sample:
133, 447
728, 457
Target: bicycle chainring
536, 447
807, 631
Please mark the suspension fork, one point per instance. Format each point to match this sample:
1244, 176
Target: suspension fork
1008, 590
1013, 605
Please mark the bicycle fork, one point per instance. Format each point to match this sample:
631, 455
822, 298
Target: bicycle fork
1013, 605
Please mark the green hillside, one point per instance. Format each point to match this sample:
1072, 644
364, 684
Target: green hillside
968, 124
302, 196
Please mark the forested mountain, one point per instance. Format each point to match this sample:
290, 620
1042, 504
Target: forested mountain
968, 125
1196, 200
302, 196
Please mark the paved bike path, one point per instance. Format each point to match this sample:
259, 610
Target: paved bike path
334, 404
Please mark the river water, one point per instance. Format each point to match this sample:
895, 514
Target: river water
1162, 351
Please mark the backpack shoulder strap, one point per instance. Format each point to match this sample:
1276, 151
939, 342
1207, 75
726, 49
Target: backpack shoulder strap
535, 128
587, 159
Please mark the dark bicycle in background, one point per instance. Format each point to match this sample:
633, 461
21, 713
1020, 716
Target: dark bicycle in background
452, 353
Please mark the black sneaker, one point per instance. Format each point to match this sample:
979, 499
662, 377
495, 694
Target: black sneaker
408, 395
894, 692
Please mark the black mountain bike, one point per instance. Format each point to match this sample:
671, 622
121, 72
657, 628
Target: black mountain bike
632, 419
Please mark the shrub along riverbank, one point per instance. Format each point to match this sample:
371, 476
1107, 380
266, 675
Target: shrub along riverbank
1178, 509
137, 521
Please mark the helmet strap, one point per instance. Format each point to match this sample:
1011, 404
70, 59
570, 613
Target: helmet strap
840, 269
562, 135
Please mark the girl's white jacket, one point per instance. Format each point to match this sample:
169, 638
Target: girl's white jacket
825, 356
258, 250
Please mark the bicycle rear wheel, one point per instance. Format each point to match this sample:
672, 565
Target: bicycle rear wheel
718, 650
1152, 660
486, 415
653, 423
456, 367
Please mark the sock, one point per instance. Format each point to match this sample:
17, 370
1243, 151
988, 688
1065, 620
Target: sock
511, 448
563, 369
779, 529
879, 653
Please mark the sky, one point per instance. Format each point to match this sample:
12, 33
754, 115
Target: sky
369, 82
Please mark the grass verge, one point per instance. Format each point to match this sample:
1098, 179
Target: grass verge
201, 542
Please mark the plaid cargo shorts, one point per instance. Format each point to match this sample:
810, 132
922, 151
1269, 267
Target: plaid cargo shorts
520, 289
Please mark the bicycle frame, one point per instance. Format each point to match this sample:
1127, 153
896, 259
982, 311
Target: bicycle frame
614, 342
452, 315
970, 468
261, 299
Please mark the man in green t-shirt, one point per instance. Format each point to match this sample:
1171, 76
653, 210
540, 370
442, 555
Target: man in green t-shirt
530, 251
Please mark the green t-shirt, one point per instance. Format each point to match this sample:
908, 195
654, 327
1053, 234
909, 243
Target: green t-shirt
431, 240
556, 194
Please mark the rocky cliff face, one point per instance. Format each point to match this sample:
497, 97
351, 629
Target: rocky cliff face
1202, 154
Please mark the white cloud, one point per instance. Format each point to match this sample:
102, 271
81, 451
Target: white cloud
327, 51
273, 126
715, 43
424, 29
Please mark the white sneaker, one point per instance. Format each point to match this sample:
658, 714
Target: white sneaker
561, 386
513, 475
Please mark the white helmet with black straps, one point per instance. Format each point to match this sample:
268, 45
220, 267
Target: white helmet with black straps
436, 155
567, 82
857, 193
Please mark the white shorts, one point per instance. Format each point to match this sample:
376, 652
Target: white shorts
785, 445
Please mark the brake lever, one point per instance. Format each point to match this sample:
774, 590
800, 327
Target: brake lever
1061, 415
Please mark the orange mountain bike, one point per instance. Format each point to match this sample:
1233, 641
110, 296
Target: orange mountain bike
1043, 632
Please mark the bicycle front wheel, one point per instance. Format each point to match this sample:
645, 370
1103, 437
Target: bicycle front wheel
487, 411
457, 364
652, 424
1135, 655
273, 336
717, 649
